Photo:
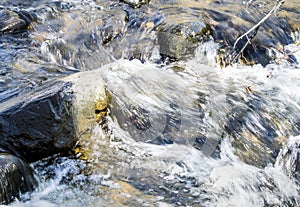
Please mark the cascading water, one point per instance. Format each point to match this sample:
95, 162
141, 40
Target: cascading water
123, 169
183, 133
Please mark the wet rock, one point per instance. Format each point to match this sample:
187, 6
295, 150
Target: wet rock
89, 103
16, 177
225, 21
178, 27
179, 33
289, 158
136, 40
81, 39
13, 22
50, 119
44, 122
40, 123
226, 28
254, 131
157, 31
180, 41
153, 111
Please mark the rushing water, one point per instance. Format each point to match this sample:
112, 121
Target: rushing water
185, 133
124, 170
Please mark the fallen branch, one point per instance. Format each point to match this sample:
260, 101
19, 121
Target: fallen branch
254, 29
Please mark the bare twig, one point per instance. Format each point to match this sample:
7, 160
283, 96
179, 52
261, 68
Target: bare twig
246, 44
255, 28
274, 10
247, 4
286, 55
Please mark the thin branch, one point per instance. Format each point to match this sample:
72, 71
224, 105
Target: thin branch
274, 10
286, 55
246, 44
254, 29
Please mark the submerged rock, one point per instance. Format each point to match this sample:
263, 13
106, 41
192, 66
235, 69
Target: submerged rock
16, 177
78, 41
289, 158
254, 130
147, 103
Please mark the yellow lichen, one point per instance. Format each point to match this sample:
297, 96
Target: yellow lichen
100, 109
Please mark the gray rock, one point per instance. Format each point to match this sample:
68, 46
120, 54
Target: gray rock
178, 45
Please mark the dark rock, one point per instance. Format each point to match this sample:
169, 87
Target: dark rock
43, 122
27, 16
16, 177
179, 32
170, 34
40, 123
11, 22
136, 40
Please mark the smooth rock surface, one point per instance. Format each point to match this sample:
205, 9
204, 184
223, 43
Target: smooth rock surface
40, 123
50, 119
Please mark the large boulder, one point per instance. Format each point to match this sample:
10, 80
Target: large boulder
40, 123
43, 122
51, 119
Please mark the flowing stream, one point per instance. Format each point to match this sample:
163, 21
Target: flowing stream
183, 133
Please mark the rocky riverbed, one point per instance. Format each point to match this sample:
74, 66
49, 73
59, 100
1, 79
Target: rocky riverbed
149, 103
